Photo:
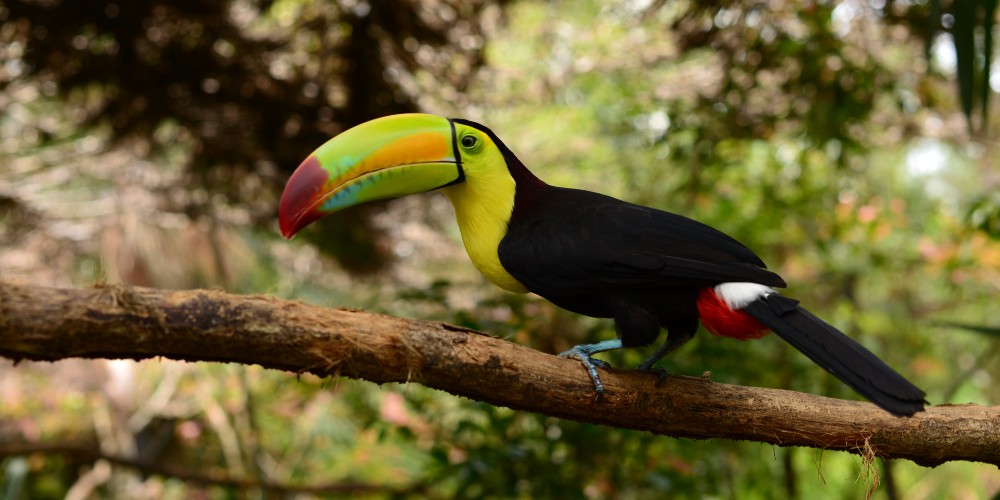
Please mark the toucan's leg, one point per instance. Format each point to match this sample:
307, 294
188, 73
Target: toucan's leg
675, 339
583, 352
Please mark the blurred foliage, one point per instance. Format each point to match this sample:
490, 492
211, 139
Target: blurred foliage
146, 142
237, 92
234, 76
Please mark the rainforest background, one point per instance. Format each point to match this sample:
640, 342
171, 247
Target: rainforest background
851, 144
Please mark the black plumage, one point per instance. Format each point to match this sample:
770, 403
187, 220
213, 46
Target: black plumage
603, 257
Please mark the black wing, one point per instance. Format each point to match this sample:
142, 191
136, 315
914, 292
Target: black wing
570, 242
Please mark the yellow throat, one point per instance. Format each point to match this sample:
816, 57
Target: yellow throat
483, 205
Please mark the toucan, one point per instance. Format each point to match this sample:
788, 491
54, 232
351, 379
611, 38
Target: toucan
585, 252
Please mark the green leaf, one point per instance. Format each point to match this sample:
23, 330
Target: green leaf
990, 6
963, 32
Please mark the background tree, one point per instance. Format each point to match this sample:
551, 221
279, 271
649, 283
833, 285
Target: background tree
147, 142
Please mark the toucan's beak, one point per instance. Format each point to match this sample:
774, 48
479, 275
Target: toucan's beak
385, 158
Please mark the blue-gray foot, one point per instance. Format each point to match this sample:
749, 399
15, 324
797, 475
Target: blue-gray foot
584, 353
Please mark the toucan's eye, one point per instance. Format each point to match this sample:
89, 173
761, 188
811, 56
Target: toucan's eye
469, 141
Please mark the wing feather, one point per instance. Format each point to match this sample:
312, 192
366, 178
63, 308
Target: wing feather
573, 241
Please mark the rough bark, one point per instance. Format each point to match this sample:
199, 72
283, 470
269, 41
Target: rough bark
41, 323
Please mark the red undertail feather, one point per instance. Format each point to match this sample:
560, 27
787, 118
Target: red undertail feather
720, 320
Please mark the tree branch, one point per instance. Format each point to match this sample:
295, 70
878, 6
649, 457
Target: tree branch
41, 323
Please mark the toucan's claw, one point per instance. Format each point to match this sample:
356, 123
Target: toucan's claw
600, 363
661, 373
591, 364
647, 366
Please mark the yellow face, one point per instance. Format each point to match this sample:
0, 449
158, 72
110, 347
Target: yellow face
483, 203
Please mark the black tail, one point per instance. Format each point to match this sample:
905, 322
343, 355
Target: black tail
838, 354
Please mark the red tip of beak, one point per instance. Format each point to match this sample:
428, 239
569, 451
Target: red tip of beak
302, 197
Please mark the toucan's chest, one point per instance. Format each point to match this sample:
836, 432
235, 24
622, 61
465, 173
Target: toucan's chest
483, 211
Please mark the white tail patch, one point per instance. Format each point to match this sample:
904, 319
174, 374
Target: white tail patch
737, 295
